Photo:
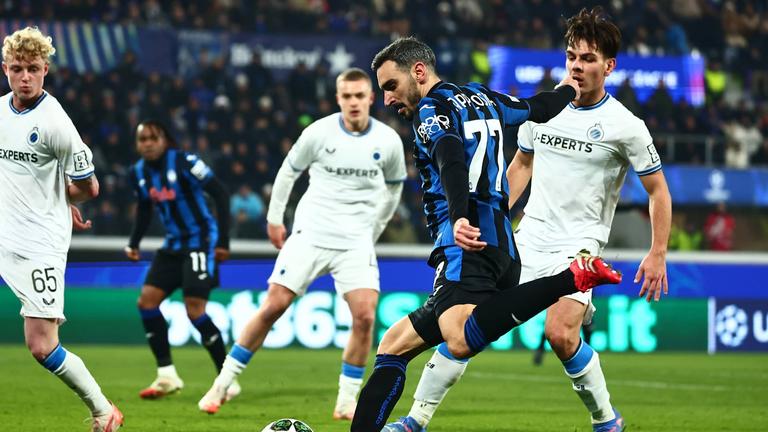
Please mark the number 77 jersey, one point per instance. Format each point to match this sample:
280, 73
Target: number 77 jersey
477, 116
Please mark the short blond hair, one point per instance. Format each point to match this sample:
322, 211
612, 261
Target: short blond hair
354, 74
28, 44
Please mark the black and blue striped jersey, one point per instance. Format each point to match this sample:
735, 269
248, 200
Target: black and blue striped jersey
476, 117
174, 185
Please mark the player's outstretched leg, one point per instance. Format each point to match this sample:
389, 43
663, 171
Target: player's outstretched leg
440, 373
509, 308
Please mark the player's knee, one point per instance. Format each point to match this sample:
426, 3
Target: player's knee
273, 309
195, 311
38, 350
562, 338
363, 320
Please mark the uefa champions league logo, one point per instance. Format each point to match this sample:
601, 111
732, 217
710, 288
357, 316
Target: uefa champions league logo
731, 325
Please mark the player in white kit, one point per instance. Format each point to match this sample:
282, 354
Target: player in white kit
356, 168
44, 166
581, 160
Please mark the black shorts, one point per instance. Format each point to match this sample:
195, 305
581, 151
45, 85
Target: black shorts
195, 271
463, 277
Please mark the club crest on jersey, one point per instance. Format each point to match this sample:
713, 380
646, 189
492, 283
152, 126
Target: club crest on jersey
33, 137
376, 155
595, 133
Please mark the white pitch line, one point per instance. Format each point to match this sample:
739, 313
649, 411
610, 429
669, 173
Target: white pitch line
612, 382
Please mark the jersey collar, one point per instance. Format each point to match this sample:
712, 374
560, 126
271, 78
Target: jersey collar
26, 110
355, 134
591, 107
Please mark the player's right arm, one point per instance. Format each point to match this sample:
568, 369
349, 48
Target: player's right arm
519, 174
83, 190
143, 218
301, 155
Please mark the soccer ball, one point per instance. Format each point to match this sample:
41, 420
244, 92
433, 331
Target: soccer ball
287, 425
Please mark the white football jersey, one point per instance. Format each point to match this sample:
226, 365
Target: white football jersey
38, 148
347, 176
581, 158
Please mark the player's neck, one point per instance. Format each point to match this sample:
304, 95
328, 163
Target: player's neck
428, 84
357, 127
591, 98
21, 105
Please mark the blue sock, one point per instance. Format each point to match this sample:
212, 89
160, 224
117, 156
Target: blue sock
241, 354
443, 349
580, 359
55, 359
352, 371
473, 335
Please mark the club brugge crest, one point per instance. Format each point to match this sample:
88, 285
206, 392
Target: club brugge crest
595, 133
33, 137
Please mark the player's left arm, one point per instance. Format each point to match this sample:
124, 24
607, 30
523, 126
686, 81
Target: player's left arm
653, 268
394, 176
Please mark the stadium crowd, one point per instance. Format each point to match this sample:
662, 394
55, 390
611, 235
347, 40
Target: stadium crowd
243, 121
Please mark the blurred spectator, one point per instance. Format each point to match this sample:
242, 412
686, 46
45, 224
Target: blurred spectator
719, 228
247, 209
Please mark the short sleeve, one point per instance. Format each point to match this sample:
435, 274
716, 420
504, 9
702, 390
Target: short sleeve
194, 168
70, 150
394, 165
303, 152
640, 150
435, 121
525, 138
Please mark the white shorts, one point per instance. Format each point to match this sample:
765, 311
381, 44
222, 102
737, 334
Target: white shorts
537, 263
299, 263
39, 285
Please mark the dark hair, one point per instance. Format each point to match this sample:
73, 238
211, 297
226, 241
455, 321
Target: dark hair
405, 52
170, 141
353, 74
596, 30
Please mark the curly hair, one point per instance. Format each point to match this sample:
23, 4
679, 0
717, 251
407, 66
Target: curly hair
28, 44
594, 28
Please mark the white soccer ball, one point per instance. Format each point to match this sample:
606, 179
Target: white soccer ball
287, 425
731, 325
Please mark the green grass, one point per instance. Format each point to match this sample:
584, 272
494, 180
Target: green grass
499, 392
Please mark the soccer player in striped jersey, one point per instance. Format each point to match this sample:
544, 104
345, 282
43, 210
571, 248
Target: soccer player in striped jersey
357, 168
44, 167
459, 154
582, 157
175, 183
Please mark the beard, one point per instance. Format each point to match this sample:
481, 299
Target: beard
412, 97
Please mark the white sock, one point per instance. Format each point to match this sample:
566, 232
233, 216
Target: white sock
348, 389
589, 383
229, 371
73, 372
440, 373
167, 371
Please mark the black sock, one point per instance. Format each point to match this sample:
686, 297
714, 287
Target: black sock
507, 309
380, 394
211, 338
156, 330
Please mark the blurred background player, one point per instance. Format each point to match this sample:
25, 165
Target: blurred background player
356, 167
459, 153
582, 157
195, 242
44, 166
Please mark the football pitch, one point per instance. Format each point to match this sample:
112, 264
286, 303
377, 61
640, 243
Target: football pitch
501, 391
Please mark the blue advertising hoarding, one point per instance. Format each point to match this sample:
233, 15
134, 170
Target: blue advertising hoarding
738, 325
523, 69
692, 185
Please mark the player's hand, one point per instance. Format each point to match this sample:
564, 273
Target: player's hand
653, 271
78, 224
133, 254
276, 234
466, 236
220, 254
568, 80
